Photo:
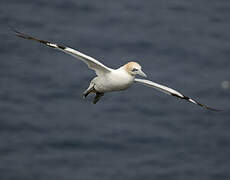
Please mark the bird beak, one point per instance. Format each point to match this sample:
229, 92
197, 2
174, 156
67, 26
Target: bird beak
141, 73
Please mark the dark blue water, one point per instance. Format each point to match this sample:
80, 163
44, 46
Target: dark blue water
47, 131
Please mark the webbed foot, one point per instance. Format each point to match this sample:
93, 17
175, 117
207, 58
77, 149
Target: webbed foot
97, 97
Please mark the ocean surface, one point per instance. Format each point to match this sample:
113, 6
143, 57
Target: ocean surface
49, 132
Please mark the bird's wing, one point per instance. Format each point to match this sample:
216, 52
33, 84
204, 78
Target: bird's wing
92, 63
171, 91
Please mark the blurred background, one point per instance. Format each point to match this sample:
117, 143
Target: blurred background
47, 131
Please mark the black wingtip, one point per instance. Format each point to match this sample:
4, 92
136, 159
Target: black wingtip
212, 109
26, 36
14, 31
20, 34
197, 103
209, 108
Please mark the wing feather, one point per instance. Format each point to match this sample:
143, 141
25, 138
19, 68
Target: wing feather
172, 92
92, 63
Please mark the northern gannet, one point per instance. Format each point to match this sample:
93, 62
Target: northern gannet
108, 79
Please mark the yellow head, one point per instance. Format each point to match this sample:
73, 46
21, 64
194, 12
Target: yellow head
134, 69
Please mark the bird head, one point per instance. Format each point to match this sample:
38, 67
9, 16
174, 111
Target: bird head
134, 69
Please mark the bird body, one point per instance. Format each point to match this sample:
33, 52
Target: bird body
108, 79
116, 80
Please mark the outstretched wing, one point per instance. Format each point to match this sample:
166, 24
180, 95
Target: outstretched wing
92, 63
172, 92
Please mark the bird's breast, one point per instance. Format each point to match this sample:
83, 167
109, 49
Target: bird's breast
115, 81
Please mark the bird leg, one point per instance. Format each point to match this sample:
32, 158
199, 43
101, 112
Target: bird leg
97, 97
90, 89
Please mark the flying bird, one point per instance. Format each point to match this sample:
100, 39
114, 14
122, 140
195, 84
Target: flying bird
108, 79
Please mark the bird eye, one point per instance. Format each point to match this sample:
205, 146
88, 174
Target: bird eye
134, 69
